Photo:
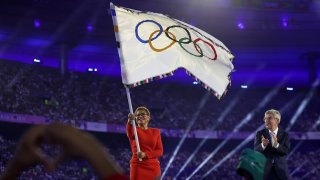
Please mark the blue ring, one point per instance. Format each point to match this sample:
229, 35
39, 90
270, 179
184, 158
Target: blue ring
146, 41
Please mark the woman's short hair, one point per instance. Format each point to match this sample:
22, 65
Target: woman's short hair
274, 113
143, 108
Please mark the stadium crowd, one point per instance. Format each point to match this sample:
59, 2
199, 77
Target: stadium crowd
81, 97
303, 164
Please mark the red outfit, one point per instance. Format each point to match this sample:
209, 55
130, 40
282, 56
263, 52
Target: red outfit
150, 142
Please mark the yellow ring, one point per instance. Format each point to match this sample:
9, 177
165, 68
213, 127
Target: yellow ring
159, 50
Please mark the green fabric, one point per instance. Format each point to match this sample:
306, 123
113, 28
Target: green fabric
253, 162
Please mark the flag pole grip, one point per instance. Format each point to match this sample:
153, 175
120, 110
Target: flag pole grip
133, 122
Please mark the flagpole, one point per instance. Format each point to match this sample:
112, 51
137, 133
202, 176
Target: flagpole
133, 122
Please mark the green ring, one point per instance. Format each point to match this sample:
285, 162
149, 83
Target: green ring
181, 42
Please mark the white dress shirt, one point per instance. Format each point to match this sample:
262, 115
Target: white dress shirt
275, 132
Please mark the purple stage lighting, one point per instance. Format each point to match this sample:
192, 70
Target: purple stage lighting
89, 28
37, 23
284, 23
2, 36
240, 25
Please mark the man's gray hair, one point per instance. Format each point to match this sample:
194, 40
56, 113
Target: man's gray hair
274, 113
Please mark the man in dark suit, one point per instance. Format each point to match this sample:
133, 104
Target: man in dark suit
274, 143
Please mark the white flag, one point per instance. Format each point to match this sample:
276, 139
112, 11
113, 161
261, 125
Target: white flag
152, 46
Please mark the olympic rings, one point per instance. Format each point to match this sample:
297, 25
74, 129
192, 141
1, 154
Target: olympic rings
137, 33
159, 50
211, 46
182, 41
189, 36
201, 53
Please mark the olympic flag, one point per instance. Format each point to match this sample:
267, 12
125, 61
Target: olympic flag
152, 46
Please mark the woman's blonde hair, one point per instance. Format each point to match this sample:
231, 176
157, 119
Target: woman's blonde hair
142, 108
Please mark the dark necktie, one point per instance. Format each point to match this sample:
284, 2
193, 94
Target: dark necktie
270, 138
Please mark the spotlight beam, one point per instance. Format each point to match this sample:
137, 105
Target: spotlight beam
243, 143
194, 118
303, 105
249, 138
307, 174
248, 117
298, 168
315, 125
221, 118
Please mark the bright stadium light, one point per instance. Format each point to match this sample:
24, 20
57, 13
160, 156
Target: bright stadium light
35, 60
284, 23
90, 28
244, 86
289, 88
240, 25
37, 23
